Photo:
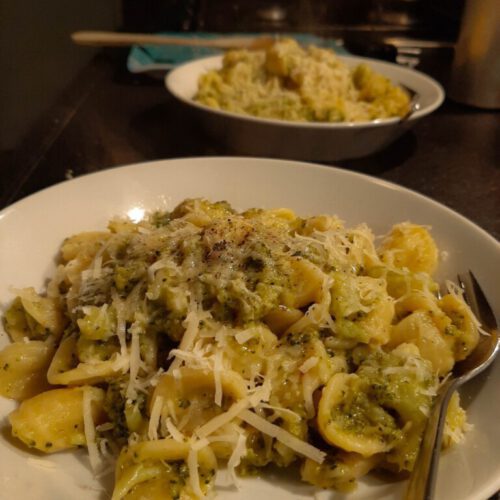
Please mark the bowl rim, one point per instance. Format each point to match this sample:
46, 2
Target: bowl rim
381, 122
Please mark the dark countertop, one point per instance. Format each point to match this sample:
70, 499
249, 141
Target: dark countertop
108, 117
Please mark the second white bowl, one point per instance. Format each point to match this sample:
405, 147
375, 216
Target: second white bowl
250, 135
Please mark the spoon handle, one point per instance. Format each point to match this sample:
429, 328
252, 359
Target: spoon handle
423, 478
112, 39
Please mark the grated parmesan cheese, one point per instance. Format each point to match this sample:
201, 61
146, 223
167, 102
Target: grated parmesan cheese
279, 409
457, 292
244, 336
215, 423
176, 434
105, 427
120, 323
135, 360
238, 453
262, 393
97, 267
217, 378
301, 447
196, 360
171, 409
308, 364
89, 429
191, 324
223, 438
42, 463
309, 385
194, 478
154, 419
424, 410
121, 363
199, 444
156, 266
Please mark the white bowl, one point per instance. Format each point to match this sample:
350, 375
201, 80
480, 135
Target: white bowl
32, 230
249, 135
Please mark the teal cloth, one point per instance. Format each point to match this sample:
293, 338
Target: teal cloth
163, 57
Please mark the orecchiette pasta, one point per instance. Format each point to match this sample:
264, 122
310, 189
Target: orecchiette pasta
34, 317
419, 329
203, 335
151, 468
23, 369
351, 421
189, 395
341, 472
67, 369
410, 246
54, 420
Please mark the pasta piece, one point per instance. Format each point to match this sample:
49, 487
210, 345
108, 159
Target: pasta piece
402, 282
19, 325
362, 308
153, 481
201, 212
53, 420
281, 318
348, 419
339, 472
285, 438
456, 424
418, 328
401, 458
404, 384
99, 323
295, 387
190, 397
65, 369
400, 380
306, 284
410, 246
81, 245
251, 357
417, 300
23, 368
320, 223
146, 468
377, 322
281, 218
34, 317
462, 334
78, 254
373, 327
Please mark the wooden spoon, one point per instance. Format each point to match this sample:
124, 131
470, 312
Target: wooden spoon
112, 39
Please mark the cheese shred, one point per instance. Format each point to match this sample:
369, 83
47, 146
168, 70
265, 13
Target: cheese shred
154, 419
301, 447
89, 429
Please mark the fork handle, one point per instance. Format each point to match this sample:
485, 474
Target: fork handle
423, 477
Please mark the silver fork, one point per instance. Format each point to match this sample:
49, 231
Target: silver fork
423, 478
414, 103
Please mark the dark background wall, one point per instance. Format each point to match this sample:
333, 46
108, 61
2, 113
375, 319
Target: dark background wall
37, 59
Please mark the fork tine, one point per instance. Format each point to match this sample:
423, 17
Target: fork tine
465, 283
474, 296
